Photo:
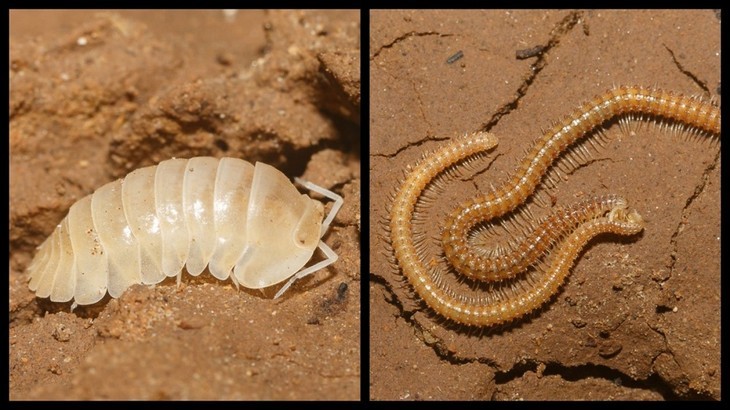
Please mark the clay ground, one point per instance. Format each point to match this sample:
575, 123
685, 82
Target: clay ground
639, 318
94, 96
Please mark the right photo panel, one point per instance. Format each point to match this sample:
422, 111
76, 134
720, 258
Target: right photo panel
545, 205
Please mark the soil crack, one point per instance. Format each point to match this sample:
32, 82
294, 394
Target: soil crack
583, 372
556, 34
428, 338
408, 35
410, 145
699, 189
689, 74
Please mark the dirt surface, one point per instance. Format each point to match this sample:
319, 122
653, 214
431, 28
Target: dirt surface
639, 318
94, 96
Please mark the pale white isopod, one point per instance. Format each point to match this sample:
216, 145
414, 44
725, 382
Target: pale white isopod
244, 221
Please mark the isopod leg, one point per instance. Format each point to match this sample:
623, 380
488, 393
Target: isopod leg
331, 258
328, 194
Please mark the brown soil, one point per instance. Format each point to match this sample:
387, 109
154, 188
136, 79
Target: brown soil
94, 96
639, 317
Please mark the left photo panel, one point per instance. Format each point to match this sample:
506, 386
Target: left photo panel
185, 205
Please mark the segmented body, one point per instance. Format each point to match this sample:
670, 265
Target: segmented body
561, 222
243, 221
522, 183
563, 232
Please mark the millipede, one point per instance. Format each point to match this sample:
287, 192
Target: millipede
559, 237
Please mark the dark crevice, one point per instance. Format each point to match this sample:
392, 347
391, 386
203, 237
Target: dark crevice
428, 339
654, 382
693, 77
660, 332
699, 189
556, 34
393, 299
410, 145
405, 36
680, 387
586, 372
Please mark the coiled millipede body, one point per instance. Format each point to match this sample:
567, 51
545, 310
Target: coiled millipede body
244, 221
559, 238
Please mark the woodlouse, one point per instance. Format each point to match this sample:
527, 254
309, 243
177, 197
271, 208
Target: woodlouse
241, 220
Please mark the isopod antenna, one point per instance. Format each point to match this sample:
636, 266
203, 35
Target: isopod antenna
327, 194
331, 256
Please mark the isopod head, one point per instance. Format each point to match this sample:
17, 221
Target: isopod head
282, 233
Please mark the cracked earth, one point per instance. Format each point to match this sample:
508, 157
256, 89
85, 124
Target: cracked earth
638, 318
